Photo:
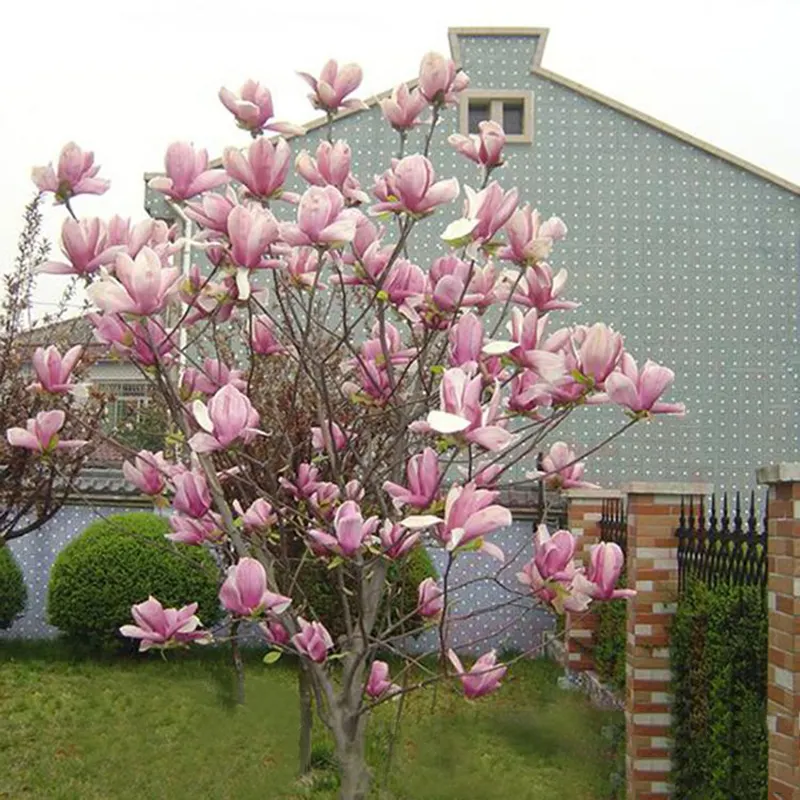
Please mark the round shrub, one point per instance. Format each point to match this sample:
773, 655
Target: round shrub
317, 590
12, 588
119, 561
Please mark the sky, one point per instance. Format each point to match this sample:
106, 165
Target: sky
126, 79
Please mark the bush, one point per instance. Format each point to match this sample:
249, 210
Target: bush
718, 650
609, 652
119, 561
13, 594
318, 586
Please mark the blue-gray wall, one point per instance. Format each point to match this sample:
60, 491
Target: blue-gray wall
694, 259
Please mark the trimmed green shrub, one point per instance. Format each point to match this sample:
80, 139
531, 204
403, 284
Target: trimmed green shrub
718, 651
610, 637
119, 561
13, 594
317, 585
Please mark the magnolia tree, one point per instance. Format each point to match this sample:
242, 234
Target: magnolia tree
335, 397
38, 390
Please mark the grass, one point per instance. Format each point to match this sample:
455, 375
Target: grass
89, 729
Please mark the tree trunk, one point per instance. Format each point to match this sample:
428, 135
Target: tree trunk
306, 718
238, 665
353, 768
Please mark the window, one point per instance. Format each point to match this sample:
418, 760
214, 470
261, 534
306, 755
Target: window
128, 400
512, 110
478, 112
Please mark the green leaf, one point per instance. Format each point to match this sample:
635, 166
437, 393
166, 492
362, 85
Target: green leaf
272, 656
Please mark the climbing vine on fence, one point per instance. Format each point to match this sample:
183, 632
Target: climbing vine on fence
718, 651
609, 652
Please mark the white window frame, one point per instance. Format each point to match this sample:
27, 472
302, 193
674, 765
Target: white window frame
496, 98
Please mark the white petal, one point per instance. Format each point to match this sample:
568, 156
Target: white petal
200, 413
499, 348
459, 230
419, 521
444, 422
243, 284
456, 535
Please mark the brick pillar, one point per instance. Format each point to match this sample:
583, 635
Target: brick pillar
653, 514
783, 595
584, 508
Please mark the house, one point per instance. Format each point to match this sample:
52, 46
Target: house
690, 251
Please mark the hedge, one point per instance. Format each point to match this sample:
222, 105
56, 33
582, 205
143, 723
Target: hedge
718, 652
13, 594
119, 561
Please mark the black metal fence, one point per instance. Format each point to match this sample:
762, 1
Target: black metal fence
721, 544
614, 523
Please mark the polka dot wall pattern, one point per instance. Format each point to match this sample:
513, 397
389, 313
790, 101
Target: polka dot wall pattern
36, 552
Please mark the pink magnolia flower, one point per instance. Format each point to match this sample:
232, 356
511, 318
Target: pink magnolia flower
86, 247
639, 392
253, 110
485, 148
402, 109
252, 230
599, 353
40, 434
351, 531
469, 514
323, 500
561, 470
245, 594
212, 377
263, 170
123, 233
333, 86
140, 286
530, 240
262, 340
430, 599
192, 496
379, 684
540, 289
483, 678
329, 436
259, 515
228, 417
306, 482
187, 173
53, 370
547, 359
213, 209
331, 167
321, 219
423, 481
275, 633
461, 414
313, 641
160, 627
396, 541
563, 594
410, 187
144, 341
405, 286
148, 473
554, 553
194, 532
466, 341
485, 213
302, 267
440, 81
76, 174
606, 561
528, 393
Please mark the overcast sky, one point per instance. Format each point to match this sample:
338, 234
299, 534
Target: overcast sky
125, 79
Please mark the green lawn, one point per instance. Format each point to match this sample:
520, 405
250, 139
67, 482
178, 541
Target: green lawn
147, 729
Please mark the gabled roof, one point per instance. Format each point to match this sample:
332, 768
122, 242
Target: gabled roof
454, 35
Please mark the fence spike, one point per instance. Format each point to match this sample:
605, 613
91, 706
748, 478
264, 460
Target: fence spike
752, 525
737, 514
